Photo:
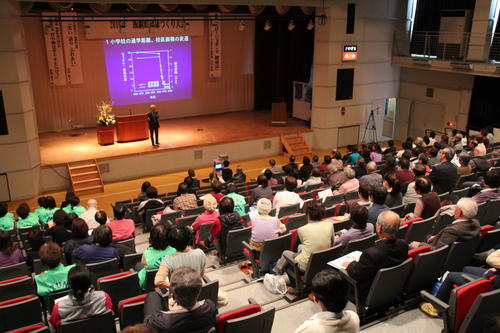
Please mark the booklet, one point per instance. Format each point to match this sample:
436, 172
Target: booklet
343, 262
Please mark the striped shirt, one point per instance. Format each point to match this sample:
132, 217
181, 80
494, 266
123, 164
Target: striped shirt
195, 259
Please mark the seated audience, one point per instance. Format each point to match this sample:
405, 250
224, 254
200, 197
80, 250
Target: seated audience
187, 313
180, 239
210, 215
287, 197
185, 200
153, 255
479, 147
372, 177
101, 218
67, 199
238, 199
378, 195
411, 195
121, 227
58, 228
264, 227
387, 252
40, 211
390, 148
315, 162
376, 153
143, 196
6, 218
464, 168
491, 182
394, 197
360, 229
404, 175
51, 208
82, 302
464, 228
25, 218
428, 204
35, 242
352, 155
192, 182
216, 191
444, 175
79, 236
351, 184
337, 159
271, 181
433, 156
364, 195
315, 178
305, 169
275, 169
56, 277
239, 176
151, 202
389, 165
9, 252
336, 177
360, 168
316, 235
139, 328
73, 206
327, 159
100, 251
228, 220
263, 190
89, 215
292, 165
226, 173
330, 292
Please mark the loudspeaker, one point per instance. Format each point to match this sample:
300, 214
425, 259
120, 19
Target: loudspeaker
345, 82
3, 117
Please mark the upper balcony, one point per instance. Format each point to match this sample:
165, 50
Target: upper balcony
474, 54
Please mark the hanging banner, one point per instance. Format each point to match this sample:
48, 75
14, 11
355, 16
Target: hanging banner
54, 50
143, 27
71, 46
215, 46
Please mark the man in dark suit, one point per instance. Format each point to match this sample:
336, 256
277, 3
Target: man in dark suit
154, 124
462, 229
444, 175
387, 252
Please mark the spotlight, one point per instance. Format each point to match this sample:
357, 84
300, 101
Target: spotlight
291, 25
242, 25
267, 26
310, 25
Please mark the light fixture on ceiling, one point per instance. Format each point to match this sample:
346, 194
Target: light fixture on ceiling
242, 25
267, 26
291, 25
310, 25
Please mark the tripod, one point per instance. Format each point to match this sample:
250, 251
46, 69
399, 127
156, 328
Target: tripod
370, 126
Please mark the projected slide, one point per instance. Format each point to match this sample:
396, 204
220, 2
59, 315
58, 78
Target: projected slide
148, 69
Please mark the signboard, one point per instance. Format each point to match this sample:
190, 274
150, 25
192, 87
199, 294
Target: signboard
350, 53
215, 46
71, 46
54, 49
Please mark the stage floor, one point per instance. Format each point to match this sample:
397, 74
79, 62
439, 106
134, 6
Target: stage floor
59, 148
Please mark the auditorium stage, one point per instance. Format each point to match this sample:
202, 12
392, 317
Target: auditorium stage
60, 148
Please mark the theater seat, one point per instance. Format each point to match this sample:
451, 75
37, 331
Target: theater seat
420, 229
271, 252
104, 268
103, 323
294, 221
13, 271
131, 311
235, 314
20, 312
120, 286
16, 287
460, 254
37, 328
234, 247
360, 244
489, 239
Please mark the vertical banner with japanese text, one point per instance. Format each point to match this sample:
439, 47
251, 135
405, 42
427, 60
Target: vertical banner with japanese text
54, 49
71, 46
215, 46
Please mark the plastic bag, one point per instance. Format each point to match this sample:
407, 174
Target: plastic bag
275, 284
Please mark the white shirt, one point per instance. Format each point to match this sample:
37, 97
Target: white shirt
286, 198
312, 181
89, 218
325, 322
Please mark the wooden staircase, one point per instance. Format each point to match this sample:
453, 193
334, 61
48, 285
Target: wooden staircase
295, 144
85, 177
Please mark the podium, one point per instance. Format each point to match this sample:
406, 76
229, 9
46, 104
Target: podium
132, 128
279, 114
105, 135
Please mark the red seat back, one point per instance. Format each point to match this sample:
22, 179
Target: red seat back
132, 300
293, 238
114, 276
411, 221
484, 230
465, 297
415, 252
16, 300
29, 328
238, 313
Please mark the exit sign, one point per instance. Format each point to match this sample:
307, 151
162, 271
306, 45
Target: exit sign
350, 53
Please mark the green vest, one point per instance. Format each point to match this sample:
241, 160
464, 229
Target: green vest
52, 280
153, 258
7, 222
29, 221
78, 210
239, 202
42, 214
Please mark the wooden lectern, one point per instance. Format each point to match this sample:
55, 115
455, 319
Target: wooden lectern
279, 114
132, 128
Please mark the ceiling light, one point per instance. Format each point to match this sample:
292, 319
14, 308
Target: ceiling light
291, 25
310, 25
267, 26
242, 26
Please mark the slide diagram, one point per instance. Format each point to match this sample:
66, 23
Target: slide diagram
151, 71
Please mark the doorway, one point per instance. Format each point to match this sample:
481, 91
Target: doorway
389, 117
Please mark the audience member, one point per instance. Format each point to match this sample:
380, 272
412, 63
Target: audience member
89, 215
464, 168
404, 175
464, 228
292, 165
82, 302
263, 190
444, 174
424, 160
139, 328
228, 220
180, 238
101, 218
389, 165
364, 195
271, 181
352, 155
336, 177
25, 218
287, 197
192, 182
305, 169
394, 197
372, 177
376, 153
226, 173
6, 218
151, 202
351, 184
314, 179
433, 156
316, 235
143, 196
428, 204
327, 159
79, 236
378, 194
100, 251
56, 277
210, 215
360, 229
479, 147
57, 229
337, 160
387, 252
411, 195
360, 168
9, 253
264, 226
41, 210
121, 227
239, 200
35, 242
239, 176
187, 314
73, 206
153, 255
276, 169
330, 292
216, 190
185, 200
390, 149
491, 182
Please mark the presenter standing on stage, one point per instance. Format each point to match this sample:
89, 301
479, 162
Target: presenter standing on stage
154, 124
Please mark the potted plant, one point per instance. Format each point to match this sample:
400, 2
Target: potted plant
105, 124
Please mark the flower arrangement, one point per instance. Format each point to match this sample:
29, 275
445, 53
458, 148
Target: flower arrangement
105, 116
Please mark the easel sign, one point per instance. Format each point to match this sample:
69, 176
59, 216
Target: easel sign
350, 53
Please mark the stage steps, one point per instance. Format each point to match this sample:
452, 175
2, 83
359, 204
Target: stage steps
295, 144
85, 177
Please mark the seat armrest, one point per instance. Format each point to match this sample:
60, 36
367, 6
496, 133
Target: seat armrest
290, 259
469, 278
246, 246
347, 277
206, 279
438, 304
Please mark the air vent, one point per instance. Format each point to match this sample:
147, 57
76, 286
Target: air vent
198, 154
429, 92
267, 144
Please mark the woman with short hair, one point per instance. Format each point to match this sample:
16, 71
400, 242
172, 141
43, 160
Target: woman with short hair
101, 250
9, 253
264, 227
